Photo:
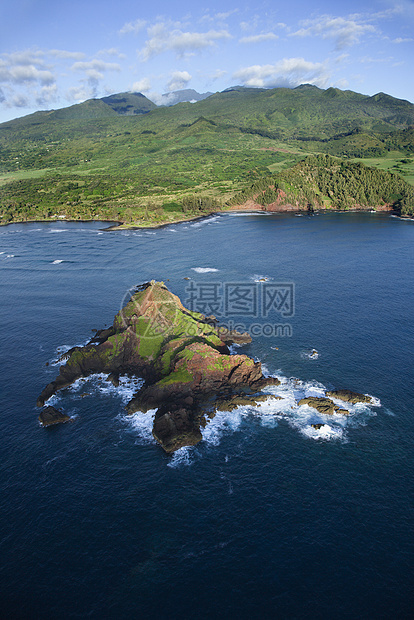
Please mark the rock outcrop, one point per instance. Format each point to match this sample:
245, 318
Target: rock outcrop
323, 405
49, 415
350, 397
182, 355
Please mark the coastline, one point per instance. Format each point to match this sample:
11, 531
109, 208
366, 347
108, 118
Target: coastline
245, 208
123, 226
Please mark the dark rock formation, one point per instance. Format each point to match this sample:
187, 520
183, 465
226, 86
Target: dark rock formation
246, 400
323, 405
349, 397
182, 356
49, 415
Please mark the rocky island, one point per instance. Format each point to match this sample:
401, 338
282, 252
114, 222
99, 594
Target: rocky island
188, 370
182, 356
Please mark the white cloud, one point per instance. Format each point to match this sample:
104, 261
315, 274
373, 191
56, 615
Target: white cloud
24, 67
133, 27
160, 99
29, 73
163, 38
18, 101
67, 55
259, 38
78, 93
111, 52
46, 95
222, 16
141, 86
179, 80
368, 60
218, 74
218, 17
344, 31
94, 72
288, 72
95, 66
401, 40
26, 79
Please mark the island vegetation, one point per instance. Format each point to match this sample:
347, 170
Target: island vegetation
121, 158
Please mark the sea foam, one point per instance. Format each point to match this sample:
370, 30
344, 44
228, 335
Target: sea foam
140, 425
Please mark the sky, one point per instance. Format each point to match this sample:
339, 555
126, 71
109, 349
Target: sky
56, 54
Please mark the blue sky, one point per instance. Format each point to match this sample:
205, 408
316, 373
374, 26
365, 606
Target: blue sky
56, 54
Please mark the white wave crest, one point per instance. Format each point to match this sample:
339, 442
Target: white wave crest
60, 358
311, 354
57, 261
140, 425
260, 278
182, 457
98, 384
224, 422
204, 269
208, 220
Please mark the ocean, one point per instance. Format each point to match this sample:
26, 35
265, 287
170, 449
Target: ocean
267, 517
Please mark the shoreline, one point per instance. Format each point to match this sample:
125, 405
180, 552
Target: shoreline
123, 226
119, 225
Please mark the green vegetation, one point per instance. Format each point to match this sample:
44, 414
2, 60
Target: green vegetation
121, 158
322, 181
178, 376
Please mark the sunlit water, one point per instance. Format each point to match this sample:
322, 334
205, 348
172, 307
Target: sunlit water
267, 517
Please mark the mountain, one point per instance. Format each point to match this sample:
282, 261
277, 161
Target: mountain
92, 109
181, 96
305, 113
129, 103
114, 155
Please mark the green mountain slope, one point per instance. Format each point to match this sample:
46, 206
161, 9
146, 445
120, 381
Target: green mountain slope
122, 153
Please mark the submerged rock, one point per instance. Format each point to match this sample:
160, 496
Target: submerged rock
49, 415
182, 356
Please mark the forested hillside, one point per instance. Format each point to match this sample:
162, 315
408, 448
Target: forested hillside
325, 182
122, 157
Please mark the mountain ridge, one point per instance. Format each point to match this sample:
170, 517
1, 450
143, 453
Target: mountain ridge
135, 103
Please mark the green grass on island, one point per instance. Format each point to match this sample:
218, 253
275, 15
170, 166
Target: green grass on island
122, 158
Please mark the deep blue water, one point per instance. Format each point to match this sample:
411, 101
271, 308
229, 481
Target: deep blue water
267, 517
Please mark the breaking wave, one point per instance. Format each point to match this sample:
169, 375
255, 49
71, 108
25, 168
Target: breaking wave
203, 222
140, 424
